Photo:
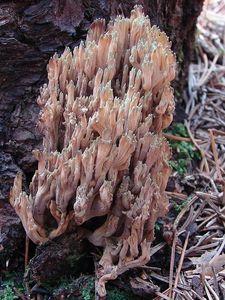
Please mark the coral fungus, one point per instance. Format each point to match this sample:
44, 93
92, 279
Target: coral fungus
102, 114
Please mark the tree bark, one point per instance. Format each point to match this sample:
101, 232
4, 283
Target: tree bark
31, 31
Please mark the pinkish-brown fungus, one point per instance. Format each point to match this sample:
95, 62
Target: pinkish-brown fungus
102, 115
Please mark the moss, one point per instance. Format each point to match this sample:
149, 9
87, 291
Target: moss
158, 227
11, 280
69, 286
178, 129
66, 283
8, 293
88, 291
179, 207
183, 152
116, 294
179, 166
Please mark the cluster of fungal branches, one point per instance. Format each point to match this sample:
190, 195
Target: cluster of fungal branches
102, 115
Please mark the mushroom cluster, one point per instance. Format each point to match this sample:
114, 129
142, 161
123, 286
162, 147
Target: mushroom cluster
104, 156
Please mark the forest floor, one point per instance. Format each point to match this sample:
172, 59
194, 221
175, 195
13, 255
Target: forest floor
188, 254
197, 235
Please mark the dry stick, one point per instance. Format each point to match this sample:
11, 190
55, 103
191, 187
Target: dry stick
19, 294
178, 138
177, 195
203, 279
193, 111
207, 291
206, 74
193, 215
213, 206
166, 279
184, 283
215, 227
206, 220
197, 295
187, 295
218, 108
180, 295
219, 132
211, 290
215, 282
208, 246
182, 212
222, 168
26, 259
211, 181
224, 44
172, 260
215, 154
197, 146
204, 195
188, 220
180, 263
205, 70
200, 241
223, 197
162, 295
219, 250
157, 248
211, 222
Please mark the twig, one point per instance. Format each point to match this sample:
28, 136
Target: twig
219, 132
19, 294
177, 195
157, 248
26, 259
177, 138
197, 146
219, 250
166, 279
211, 290
215, 154
172, 260
215, 282
161, 296
180, 263
182, 212
206, 74
223, 197
197, 295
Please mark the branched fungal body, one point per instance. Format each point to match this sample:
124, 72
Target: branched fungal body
102, 115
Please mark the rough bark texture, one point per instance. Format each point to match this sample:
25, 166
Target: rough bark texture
47, 266
31, 31
11, 239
